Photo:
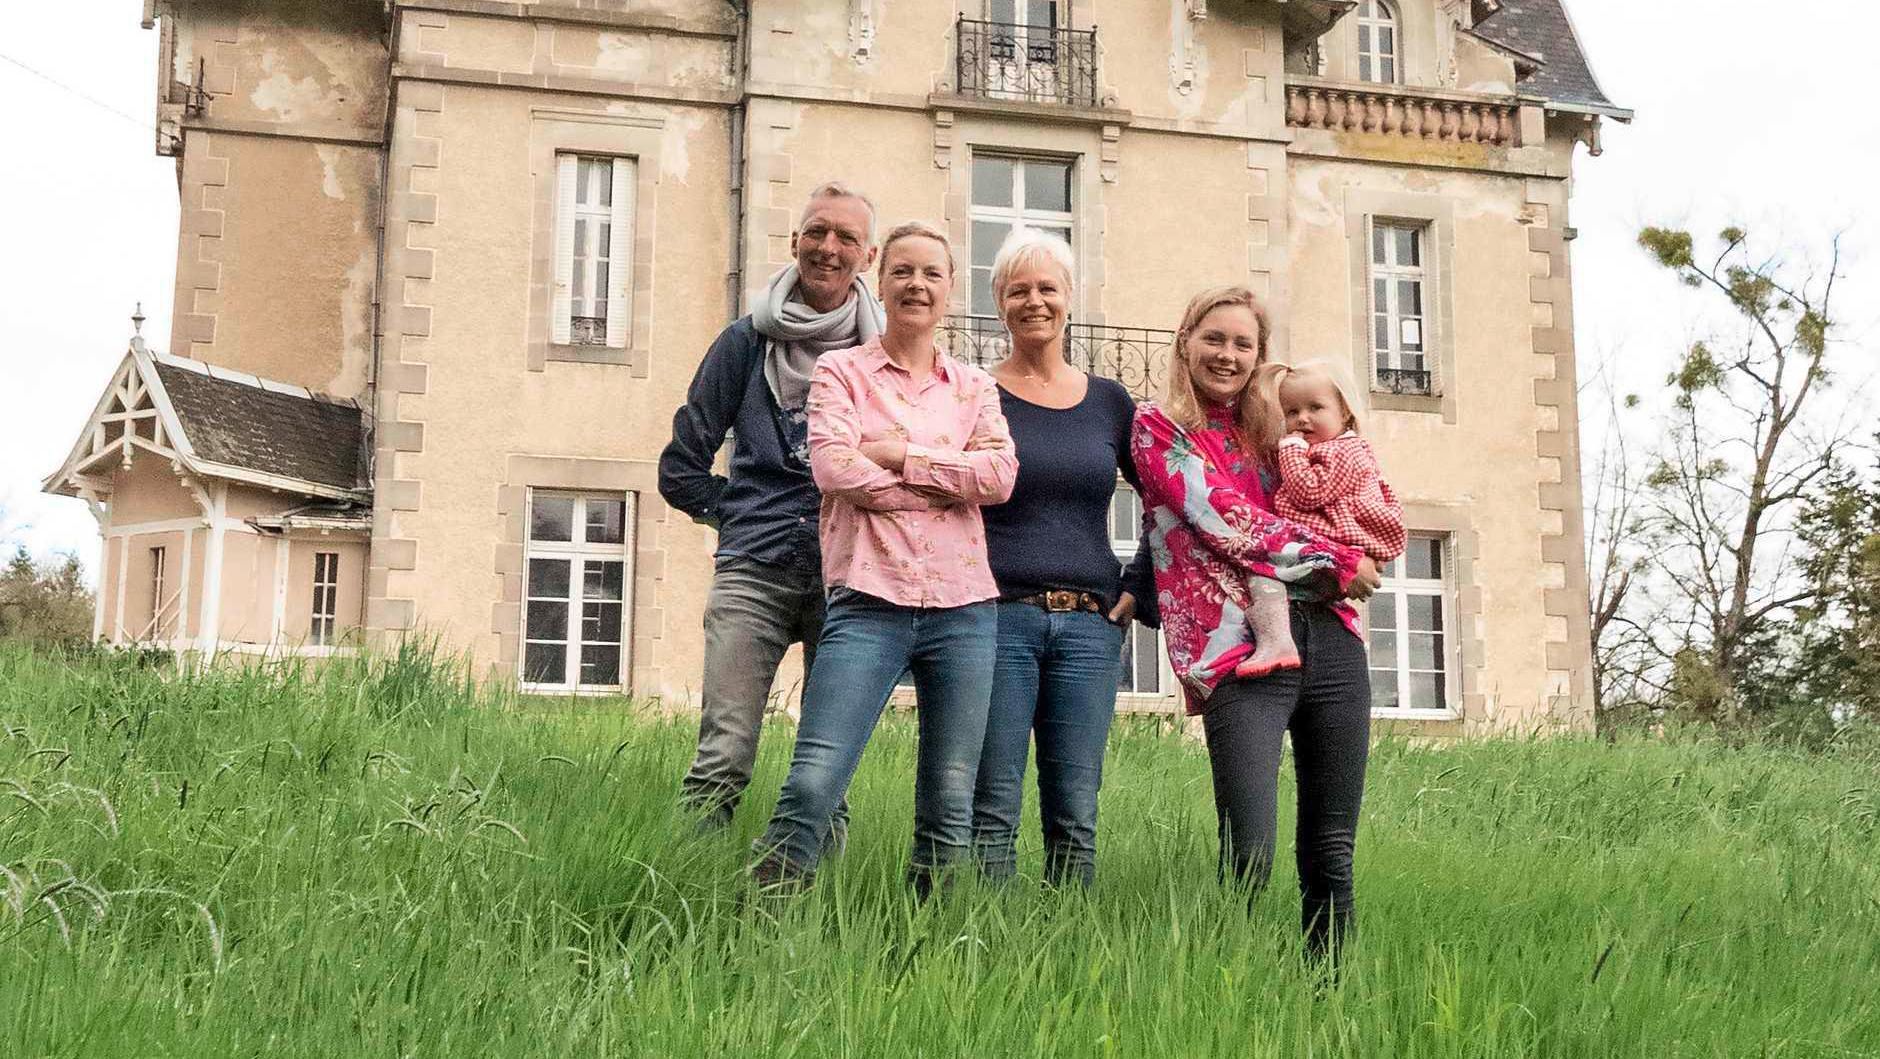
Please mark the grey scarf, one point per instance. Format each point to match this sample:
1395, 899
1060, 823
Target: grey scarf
799, 334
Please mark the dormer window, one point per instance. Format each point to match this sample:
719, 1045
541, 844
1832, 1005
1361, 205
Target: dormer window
1377, 42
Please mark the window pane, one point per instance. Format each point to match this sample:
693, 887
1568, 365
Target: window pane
1048, 186
606, 521
545, 663
1383, 613
1426, 650
599, 310
1424, 557
1427, 691
1410, 334
992, 182
600, 664
1383, 689
1125, 515
983, 304
1383, 649
582, 168
1409, 251
1041, 13
1387, 70
1364, 67
551, 518
1410, 297
600, 622
548, 579
1380, 334
1379, 233
577, 293
1386, 45
602, 580
1364, 43
1426, 613
604, 182
1003, 11
988, 236
548, 621
602, 242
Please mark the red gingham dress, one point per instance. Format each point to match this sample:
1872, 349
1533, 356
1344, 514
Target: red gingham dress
1334, 487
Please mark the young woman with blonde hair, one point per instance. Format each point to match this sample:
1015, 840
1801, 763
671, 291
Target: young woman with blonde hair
1206, 497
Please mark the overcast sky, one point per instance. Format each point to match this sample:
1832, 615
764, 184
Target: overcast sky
1747, 111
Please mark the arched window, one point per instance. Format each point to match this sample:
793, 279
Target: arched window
1377, 42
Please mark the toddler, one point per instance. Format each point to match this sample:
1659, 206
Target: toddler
1329, 482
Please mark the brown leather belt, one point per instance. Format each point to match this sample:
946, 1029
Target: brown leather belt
1061, 600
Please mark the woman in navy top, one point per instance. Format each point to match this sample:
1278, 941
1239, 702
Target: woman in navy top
1064, 601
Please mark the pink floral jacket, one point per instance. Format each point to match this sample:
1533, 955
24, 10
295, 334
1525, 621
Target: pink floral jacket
1209, 524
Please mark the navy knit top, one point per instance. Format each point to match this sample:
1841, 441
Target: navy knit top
1054, 532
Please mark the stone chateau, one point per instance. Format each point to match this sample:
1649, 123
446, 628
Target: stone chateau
445, 269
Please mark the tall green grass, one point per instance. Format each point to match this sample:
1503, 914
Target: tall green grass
374, 858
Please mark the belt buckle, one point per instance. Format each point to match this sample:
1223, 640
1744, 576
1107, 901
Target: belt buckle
1060, 601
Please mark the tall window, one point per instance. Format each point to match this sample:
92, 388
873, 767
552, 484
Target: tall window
1398, 333
325, 598
1409, 630
1022, 54
1377, 42
593, 250
579, 590
1035, 192
1142, 646
158, 562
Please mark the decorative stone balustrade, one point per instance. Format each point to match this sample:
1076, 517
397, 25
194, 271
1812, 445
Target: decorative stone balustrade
1392, 110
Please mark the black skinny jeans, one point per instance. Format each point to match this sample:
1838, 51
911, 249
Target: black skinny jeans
1326, 705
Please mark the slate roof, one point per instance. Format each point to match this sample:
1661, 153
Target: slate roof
1541, 28
277, 430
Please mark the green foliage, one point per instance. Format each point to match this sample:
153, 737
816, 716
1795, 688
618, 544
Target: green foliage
1671, 247
44, 603
272, 861
1698, 370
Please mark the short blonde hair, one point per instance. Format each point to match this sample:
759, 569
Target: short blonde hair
1180, 400
1029, 246
909, 230
1270, 423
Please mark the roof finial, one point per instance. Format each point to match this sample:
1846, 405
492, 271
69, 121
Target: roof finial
137, 326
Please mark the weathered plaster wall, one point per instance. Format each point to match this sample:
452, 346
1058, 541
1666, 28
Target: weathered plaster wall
468, 400
279, 187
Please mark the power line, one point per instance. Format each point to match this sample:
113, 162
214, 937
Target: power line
62, 86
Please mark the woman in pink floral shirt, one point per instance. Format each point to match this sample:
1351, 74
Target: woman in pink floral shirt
1209, 523
905, 443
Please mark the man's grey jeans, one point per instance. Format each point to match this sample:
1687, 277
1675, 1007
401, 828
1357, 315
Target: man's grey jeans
754, 613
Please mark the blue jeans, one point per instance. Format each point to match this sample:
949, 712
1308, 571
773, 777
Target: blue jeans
867, 643
1056, 677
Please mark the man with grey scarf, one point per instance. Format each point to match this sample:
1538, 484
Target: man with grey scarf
767, 590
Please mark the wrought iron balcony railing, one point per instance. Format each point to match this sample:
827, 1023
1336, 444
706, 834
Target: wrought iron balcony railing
1027, 64
1403, 380
1137, 357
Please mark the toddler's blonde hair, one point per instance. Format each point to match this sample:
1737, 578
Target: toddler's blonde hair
1270, 417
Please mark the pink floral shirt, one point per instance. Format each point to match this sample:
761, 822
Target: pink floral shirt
1209, 524
913, 538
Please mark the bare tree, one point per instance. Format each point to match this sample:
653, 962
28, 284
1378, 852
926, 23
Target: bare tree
1623, 655
1737, 458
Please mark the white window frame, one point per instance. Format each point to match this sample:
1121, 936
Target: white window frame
1013, 75
1393, 272
1400, 589
1373, 18
325, 624
1124, 549
576, 551
1061, 222
580, 223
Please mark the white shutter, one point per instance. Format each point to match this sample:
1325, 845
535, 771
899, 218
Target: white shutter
620, 256
559, 303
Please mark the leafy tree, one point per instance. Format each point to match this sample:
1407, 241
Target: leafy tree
1738, 460
46, 603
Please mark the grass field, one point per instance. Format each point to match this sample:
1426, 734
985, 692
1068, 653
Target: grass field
374, 861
